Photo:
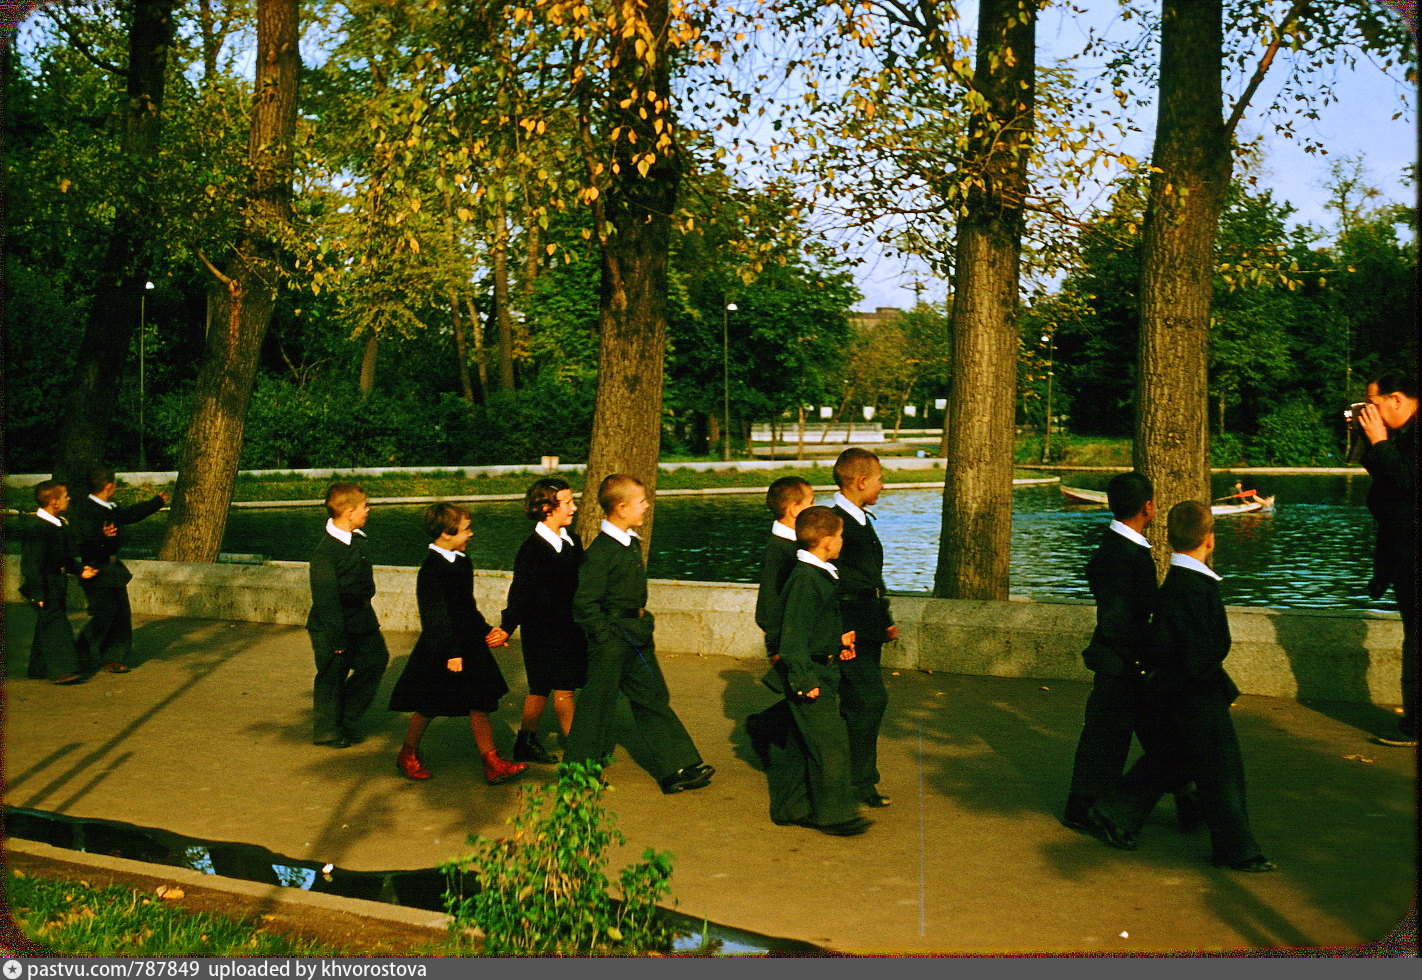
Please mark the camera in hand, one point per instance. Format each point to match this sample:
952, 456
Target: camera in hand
1357, 442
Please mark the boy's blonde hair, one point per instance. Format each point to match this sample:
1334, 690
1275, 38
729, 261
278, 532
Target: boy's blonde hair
1188, 524
854, 463
784, 492
614, 489
342, 497
814, 524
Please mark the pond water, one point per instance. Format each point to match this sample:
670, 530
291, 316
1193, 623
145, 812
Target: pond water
1314, 551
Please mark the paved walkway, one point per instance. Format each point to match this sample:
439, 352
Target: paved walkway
210, 738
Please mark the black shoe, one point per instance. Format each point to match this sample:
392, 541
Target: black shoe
1401, 740
1189, 815
1255, 864
875, 799
335, 742
845, 828
1074, 817
68, 680
691, 777
1101, 827
528, 748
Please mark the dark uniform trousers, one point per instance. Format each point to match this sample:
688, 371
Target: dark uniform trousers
1189, 736
1405, 588
54, 651
808, 768
346, 682
1110, 719
628, 664
108, 635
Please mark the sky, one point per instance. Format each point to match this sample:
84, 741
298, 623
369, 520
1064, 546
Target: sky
1359, 123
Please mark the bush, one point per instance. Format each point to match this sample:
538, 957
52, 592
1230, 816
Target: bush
544, 890
1294, 434
1227, 449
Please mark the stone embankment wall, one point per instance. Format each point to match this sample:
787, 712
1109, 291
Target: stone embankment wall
1342, 655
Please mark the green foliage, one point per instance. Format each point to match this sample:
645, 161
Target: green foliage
544, 891
1294, 434
1227, 449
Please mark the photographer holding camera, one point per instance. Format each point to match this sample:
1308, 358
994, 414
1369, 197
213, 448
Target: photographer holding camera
1389, 424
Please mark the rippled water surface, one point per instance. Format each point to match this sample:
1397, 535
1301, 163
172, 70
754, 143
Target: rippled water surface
1314, 551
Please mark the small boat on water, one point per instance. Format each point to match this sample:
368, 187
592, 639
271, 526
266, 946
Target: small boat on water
1076, 495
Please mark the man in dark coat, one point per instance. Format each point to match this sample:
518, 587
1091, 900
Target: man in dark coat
1389, 423
98, 522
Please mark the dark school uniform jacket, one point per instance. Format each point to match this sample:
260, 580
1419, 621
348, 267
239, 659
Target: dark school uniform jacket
1189, 638
541, 597
612, 584
87, 518
1122, 578
811, 626
46, 562
1392, 500
775, 568
342, 585
865, 604
450, 626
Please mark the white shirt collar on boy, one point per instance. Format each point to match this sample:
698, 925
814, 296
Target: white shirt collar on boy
781, 531
622, 537
344, 537
45, 515
1194, 564
444, 553
555, 539
817, 561
1130, 534
106, 504
859, 514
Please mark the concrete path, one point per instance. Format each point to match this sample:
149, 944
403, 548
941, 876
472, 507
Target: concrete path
209, 737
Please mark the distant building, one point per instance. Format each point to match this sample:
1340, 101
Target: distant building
866, 321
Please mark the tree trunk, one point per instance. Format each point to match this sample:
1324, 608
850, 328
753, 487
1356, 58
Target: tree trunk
975, 543
83, 440
461, 349
1192, 154
481, 363
641, 197
207, 467
369, 358
501, 302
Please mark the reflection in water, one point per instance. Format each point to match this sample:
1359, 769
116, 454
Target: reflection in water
1315, 551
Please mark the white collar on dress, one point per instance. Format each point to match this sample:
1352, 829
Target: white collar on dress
622, 537
859, 514
344, 537
444, 553
1194, 564
781, 531
1130, 534
817, 561
45, 515
106, 504
556, 540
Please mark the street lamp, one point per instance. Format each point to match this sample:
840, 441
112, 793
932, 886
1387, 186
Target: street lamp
142, 351
726, 380
1049, 338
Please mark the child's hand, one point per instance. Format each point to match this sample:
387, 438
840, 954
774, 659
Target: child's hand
455, 664
892, 633
497, 637
846, 643
110, 530
89, 572
811, 694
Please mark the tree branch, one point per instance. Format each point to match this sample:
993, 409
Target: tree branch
1264, 62
79, 45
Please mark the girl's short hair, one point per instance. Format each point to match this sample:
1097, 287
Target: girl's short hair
443, 518
542, 498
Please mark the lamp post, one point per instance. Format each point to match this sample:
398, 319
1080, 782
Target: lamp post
1050, 338
726, 380
142, 358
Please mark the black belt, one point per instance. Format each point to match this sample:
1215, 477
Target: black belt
629, 614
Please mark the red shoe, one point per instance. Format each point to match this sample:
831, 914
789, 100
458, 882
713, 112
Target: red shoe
498, 770
408, 762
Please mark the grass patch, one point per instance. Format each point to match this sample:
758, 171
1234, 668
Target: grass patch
74, 918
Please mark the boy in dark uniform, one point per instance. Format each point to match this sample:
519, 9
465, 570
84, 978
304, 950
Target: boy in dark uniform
864, 608
610, 606
1122, 578
1186, 707
785, 499
813, 788
107, 638
351, 655
46, 562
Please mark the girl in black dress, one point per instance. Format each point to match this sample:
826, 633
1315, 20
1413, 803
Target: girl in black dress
555, 652
451, 671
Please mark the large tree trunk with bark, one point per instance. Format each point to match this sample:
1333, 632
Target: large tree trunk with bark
976, 539
1187, 191
641, 196
118, 286
207, 468
503, 317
